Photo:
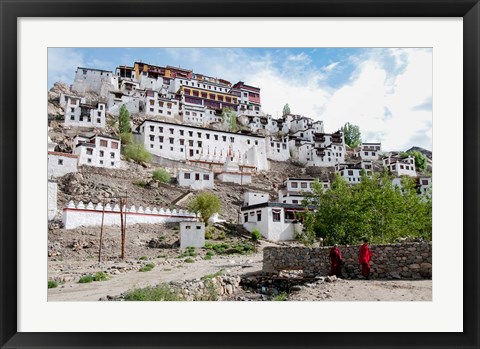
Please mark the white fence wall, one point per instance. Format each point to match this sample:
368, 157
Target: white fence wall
75, 216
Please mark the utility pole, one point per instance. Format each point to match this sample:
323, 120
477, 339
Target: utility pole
101, 232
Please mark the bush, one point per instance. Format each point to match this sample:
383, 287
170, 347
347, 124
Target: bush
205, 204
161, 175
209, 233
189, 260
222, 236
281, 297
207, 257
141, 184
143, 258
86, 279
147, 267
52, 284
101, 276
137, 152
160, 292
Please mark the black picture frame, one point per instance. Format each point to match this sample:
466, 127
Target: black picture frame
11, 10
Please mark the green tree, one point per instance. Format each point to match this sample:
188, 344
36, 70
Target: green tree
137, 152
161, 175
374, 208
352, 135
256, 235
124, 126
229, 117
205, 204
420, 159
286, 109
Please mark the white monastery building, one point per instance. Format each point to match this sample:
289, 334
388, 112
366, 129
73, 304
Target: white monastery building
98, 150
78, 113
59, 164
195, 179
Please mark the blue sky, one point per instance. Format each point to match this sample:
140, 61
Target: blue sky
386, 91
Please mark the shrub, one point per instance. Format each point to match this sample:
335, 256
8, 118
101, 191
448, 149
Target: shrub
210, 253
101, 276
211, 276
256, 235
209, 233
86, 279
161, 175
147, 267
143, 258
160, 292
222, 236
141, 184
281, 297
137, 152
189, 260
207, 257
52, 284
205, 204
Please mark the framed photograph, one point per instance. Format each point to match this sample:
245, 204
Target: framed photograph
287, 126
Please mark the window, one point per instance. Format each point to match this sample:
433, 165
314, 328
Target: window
350, 172
181, 150
224, 138
256, 142
89, 160
190, 133
276, 215
112, 163
101, 162
199, 134
171, 148
199, 227
197, 176
190, 143
72, 117
181, 132
160, 129
151, 145
98, 121
245, 217
112, 155
216, 137
294, 185
99, 113
171, 140
161, 146
401, 167
171, 131
89, 151
186, 175
152, 138
199, 143
60, 162
373, 153
206, 177
160, 139
114, 145
303, 184
366, 153
207, 135
103, 143
152, 128
259, 216
101, 153
182, 142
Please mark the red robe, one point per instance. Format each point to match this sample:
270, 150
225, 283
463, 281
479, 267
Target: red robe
364, 259
335, 262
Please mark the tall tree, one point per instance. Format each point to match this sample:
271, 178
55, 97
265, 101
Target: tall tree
420, 159
229, 117
286, 109
124, 120
352, 135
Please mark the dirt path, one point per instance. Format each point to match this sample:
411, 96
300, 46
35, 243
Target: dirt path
74, 291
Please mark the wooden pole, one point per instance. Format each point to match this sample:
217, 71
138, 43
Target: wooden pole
122, 256
101, 233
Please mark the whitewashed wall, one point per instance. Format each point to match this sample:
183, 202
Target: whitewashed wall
59, 165
52, 200
75, 216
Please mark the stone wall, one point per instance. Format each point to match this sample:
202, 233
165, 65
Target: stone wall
407, 260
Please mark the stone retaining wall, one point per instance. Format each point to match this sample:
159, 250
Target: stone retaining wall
407, 260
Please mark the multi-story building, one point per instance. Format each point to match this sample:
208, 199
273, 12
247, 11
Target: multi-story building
295, 190
399, 166
97, 150
196, 144
352, 173
195, 179
368, 151
59, 164
78, 113
248, 98
160, 106
278, 149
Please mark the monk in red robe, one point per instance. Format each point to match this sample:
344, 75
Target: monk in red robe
364, 259
335, 261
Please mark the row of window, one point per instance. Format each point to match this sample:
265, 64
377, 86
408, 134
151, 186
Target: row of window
101, 153
203, 85
206, 177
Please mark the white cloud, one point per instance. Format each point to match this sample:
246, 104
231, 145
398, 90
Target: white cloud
330, 67
62, 64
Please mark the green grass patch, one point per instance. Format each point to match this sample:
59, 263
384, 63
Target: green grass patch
143, 258
101, 276
147, 267
189, 260
52, 284
86, 279
189, 252
211, 276
207, 257
141, 184
160, 292
280, 297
